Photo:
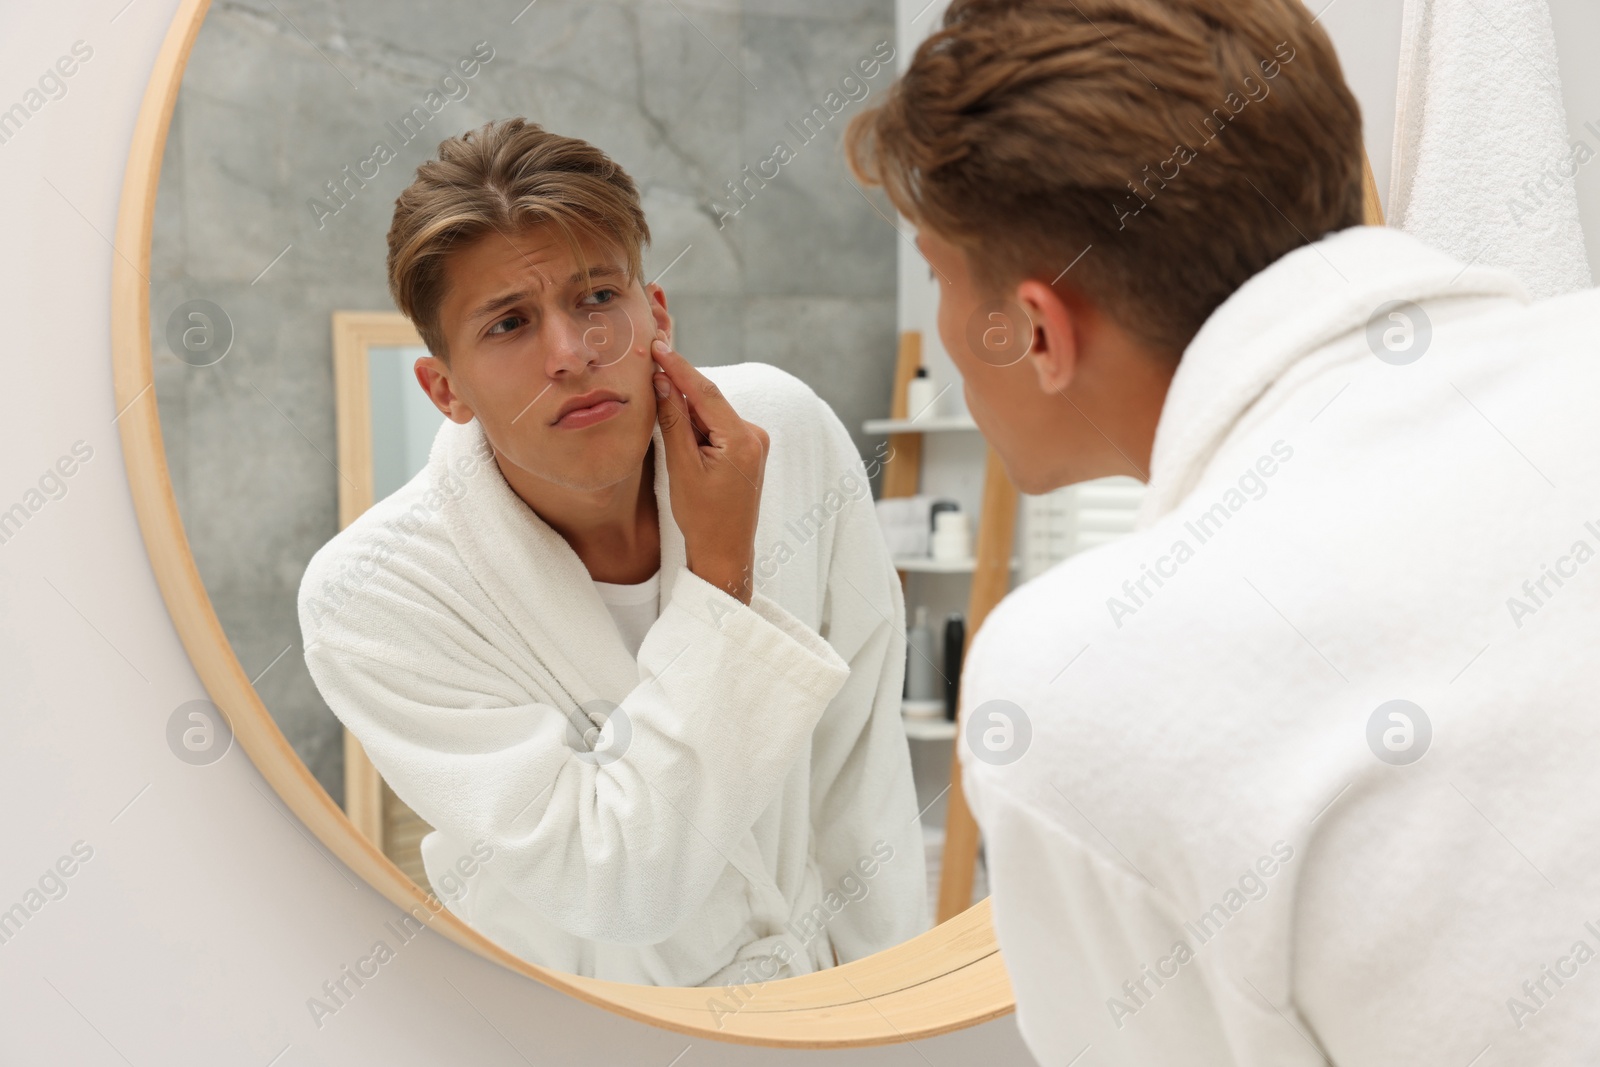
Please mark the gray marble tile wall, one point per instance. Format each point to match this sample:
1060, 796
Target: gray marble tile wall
281, 95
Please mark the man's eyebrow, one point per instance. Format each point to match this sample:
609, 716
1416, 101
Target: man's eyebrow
602, 271
505, 300
496, 303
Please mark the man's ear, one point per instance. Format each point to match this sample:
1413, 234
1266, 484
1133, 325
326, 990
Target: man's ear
434, 377
1055, 339
657, 297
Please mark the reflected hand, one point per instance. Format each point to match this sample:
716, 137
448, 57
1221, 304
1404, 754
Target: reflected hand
715, 465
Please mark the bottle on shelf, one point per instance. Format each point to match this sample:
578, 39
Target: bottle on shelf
924, 695
921, 396
951, 540
955, 640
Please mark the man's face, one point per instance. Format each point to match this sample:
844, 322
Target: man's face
527, 340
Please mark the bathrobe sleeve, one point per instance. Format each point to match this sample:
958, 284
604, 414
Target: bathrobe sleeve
864, 802
618, 838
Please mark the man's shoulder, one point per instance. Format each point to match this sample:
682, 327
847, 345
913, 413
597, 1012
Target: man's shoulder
372, 551
809, 439
752, 376
761, 391
1094, 626
1072, 594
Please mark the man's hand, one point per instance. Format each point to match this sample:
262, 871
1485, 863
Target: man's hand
715, 465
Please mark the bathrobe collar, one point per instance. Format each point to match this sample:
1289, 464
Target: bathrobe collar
1307, 299
531, 574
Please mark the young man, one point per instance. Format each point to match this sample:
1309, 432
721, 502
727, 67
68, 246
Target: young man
631, 642
1303, 770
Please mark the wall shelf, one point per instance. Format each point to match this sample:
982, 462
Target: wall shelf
927, 424
918, 729
929, 565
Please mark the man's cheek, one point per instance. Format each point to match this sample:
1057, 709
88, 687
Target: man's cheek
647, 332
609, 335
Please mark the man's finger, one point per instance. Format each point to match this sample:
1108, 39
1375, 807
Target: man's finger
709, 407
673, 414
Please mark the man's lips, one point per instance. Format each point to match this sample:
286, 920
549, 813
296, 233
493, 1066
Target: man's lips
589, 408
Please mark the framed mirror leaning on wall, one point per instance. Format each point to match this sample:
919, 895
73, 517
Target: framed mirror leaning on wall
236, 479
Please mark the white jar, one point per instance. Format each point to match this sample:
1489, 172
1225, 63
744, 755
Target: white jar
921, 396
952, 542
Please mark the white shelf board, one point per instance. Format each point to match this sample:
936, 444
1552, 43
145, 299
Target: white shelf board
926, 424
929, 729
929, 565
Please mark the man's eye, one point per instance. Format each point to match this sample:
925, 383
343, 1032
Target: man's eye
506, 325
609, 294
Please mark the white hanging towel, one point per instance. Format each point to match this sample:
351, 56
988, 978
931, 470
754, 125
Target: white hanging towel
1483, 167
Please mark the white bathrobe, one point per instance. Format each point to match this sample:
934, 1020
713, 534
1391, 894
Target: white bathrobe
747, 810
1200, 857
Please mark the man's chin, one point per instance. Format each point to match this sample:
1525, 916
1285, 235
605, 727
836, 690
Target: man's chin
601, 462
585, 477
1012, 456
1023, 468
1029, 482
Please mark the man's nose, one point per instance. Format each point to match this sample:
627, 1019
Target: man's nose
570, 344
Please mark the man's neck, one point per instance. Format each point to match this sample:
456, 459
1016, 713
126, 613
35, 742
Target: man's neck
615, 531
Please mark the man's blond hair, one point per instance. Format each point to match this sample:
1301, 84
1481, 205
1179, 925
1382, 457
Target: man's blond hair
503, 178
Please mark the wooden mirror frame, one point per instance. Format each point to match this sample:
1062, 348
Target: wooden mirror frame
945, 979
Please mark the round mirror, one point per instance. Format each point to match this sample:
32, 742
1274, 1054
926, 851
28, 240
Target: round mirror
453, 595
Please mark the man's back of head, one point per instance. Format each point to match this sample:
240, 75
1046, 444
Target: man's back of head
1191, 142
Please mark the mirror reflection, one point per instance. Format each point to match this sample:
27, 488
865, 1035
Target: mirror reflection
404, 421
620, 677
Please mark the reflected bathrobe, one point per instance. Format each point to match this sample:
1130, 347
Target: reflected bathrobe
734, 805
1218, 845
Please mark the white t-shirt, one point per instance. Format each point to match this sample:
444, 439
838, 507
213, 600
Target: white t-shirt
634, 607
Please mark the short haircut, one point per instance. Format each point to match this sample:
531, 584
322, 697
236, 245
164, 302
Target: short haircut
1190, 142
505, 177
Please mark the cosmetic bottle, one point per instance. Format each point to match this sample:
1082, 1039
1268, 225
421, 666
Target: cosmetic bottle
922, 658
955, 640
920, 396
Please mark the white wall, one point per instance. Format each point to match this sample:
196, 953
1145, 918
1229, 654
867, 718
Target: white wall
206, 917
